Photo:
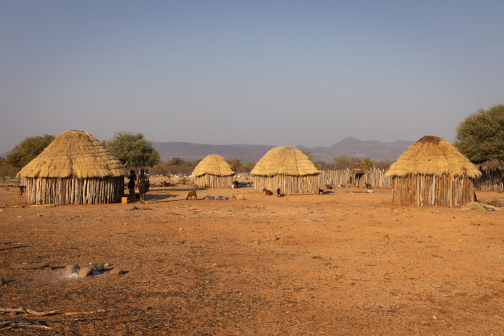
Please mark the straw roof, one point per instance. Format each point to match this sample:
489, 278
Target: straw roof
74, 154
357, 169
432, 156
284, 161
213, 165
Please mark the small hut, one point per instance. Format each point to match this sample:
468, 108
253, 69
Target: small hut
74, 169
431, 172
286, 168
213, 172
355, 174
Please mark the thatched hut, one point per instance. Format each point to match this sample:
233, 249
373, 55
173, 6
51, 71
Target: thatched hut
286, 168
213, 172
432, 172
355, 174
74, 169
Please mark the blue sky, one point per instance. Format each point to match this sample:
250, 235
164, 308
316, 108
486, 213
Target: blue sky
256, 72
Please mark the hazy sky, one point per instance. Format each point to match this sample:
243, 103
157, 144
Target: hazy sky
256, 72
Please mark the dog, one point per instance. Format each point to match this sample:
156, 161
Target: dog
267, 192
192, 194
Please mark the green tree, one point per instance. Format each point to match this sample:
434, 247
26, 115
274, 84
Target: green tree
247, 167
28, 150
177, 162
383, 164
132, 149
160, 168
309, 155
344, 162
320, 165
367, 163
235, 164
480, 137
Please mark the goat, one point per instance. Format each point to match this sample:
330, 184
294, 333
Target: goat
236, 184
267, 192
191, 194
21, 190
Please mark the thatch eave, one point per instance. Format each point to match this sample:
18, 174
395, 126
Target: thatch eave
213, 165
74, 154
288, 161
435, 157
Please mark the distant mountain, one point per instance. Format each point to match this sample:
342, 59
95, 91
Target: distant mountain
191, 151
4, 155
352, 147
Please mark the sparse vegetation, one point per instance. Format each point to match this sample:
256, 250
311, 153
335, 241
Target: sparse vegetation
27, 150
132, 149
480, 136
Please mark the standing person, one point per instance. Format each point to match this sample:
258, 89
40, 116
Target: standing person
147, 180
131, 185
142, 185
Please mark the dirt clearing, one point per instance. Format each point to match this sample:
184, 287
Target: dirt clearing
346, 263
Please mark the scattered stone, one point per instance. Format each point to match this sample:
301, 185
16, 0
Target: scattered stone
3, 206
106, 265
40, 215
98, 266
147, 308
2, 281
233, 197
85, 272
134, 208
240, 197
216, 198
72, 268
116, 271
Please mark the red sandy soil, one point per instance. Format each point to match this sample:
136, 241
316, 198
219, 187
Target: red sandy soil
346, 263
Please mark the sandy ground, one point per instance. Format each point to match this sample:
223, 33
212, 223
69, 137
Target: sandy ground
347, 263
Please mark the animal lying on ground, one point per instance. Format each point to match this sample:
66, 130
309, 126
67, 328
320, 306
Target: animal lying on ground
329, 186
21, 190
191, 194
237, 184
321, 191
267, 192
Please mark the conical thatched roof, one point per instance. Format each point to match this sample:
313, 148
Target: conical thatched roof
357, 169
284, 161
74, 153
213, 165
432, 156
